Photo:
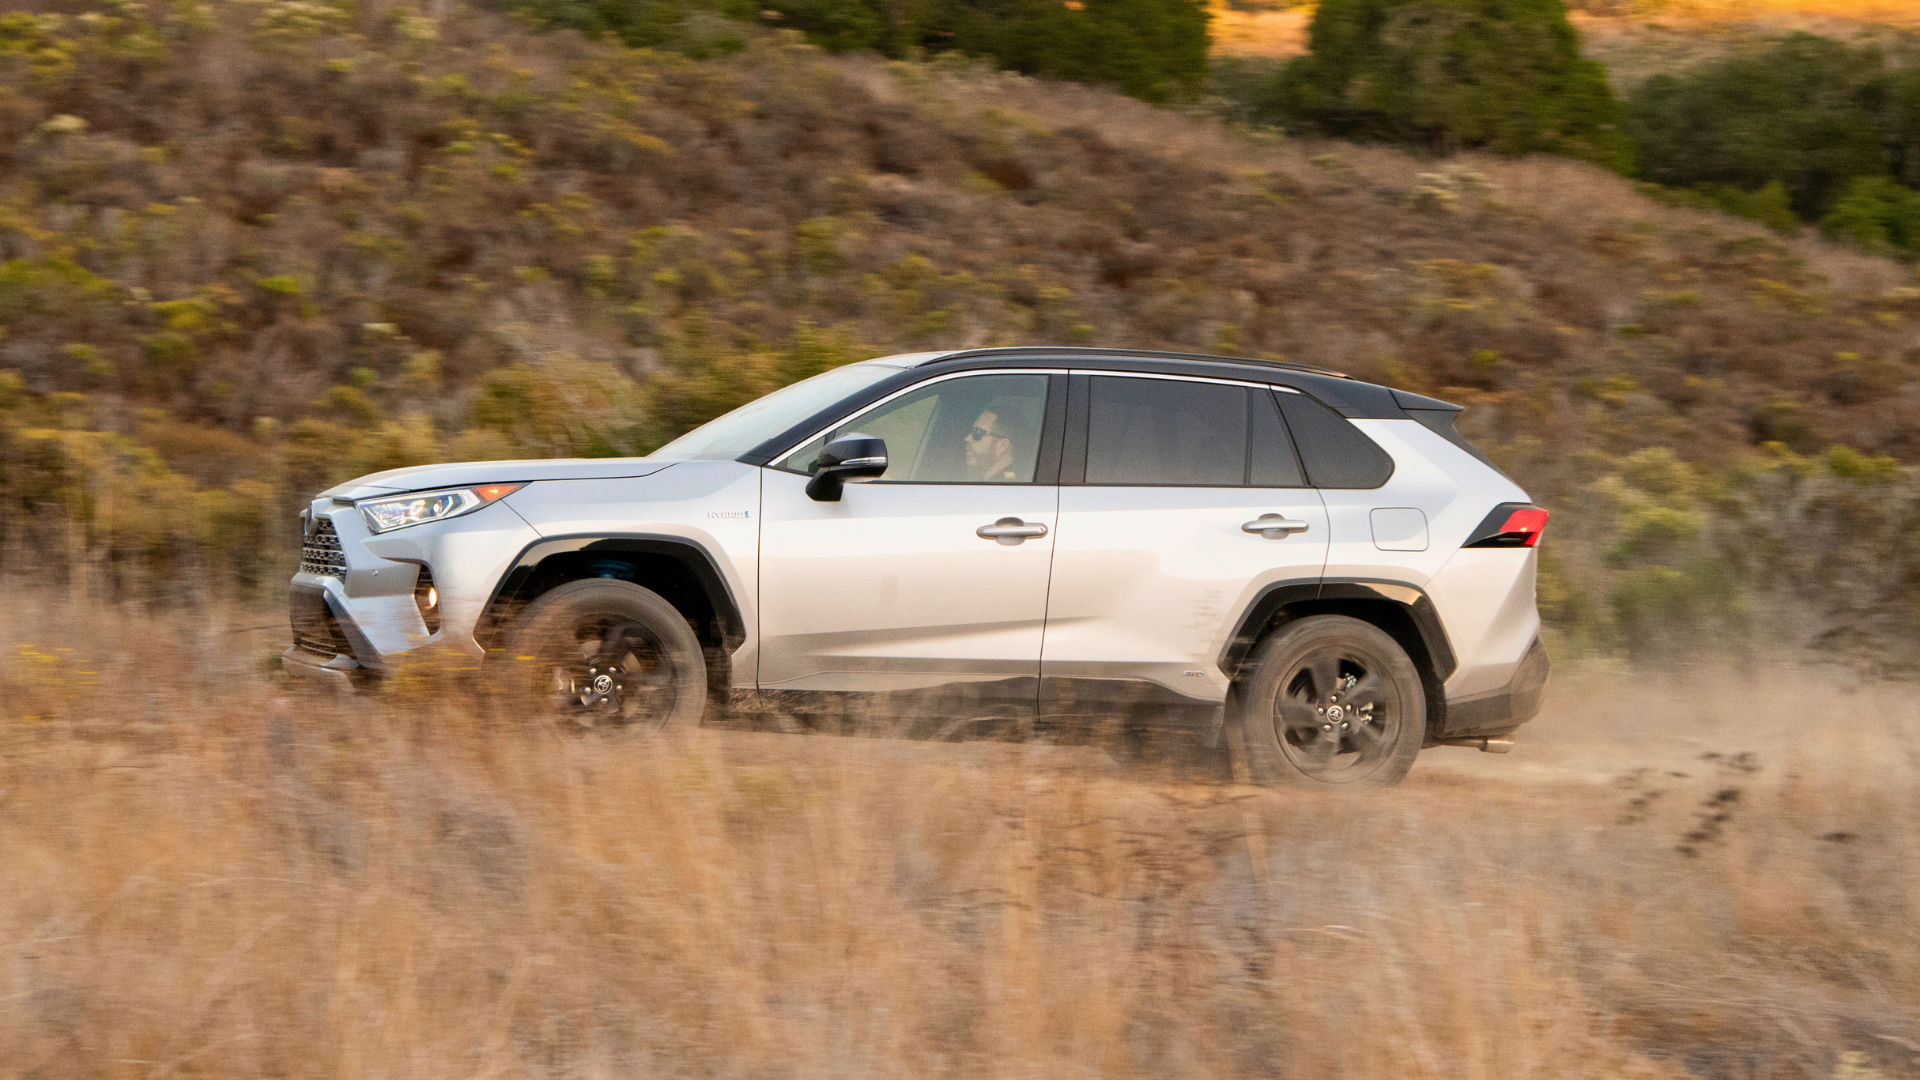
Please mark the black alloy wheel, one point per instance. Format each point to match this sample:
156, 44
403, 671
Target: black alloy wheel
1334, 703
602, 652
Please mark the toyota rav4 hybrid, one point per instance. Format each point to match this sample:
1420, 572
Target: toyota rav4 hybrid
1320, 569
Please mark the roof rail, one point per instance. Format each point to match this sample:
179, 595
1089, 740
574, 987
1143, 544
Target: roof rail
1153, 354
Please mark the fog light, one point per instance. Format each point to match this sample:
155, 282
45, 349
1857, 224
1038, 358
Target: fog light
427, 598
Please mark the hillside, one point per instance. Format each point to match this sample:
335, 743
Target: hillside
256, 248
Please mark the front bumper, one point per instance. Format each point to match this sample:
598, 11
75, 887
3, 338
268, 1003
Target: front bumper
353, 616
306, 665
329, 646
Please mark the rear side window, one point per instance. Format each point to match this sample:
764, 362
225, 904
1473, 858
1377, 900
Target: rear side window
1166, 433
1336, 454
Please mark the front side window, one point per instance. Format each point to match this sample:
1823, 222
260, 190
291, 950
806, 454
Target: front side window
980, 429
1166, 433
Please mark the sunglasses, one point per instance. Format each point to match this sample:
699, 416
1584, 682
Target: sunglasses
979, 432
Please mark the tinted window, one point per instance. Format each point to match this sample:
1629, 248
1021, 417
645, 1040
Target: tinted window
1166, 433
983, 429
1271, 461
1336, 454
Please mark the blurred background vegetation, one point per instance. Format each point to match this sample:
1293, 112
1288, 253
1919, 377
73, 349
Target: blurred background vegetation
251, 248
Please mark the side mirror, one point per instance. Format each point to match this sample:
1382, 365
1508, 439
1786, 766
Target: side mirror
850, 457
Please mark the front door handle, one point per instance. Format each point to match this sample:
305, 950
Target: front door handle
1274, 527
1010, 531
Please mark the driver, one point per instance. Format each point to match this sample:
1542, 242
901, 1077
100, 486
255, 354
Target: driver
1002, 428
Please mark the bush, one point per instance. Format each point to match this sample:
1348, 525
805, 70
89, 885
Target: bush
1877, 214
1152, 49
1808, 113
701, 29
1768, 205
1503, 75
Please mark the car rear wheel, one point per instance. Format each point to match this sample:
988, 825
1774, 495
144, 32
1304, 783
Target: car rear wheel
1333, 704
605, 652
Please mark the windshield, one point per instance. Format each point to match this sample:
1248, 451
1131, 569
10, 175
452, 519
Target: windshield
757, 421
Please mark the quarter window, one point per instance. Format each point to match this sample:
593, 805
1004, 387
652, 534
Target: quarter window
1336, 454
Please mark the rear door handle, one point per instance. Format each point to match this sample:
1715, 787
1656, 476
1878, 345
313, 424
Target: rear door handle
1274, 527
1010, 531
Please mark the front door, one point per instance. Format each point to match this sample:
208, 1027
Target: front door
892, 588
1155, 558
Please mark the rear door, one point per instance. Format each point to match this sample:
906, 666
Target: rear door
1162, 479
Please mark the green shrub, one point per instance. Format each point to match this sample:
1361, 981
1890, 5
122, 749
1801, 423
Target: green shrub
1877, 214
1769, 204
1503, 75
700, 28
1660, 612
1152, 49
49, 287
1808, 113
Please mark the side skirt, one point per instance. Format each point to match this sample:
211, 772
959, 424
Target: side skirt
1052, 709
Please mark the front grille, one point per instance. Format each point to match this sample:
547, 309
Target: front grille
320, 553
314, 627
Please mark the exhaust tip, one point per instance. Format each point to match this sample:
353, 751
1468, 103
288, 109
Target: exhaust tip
1497, 745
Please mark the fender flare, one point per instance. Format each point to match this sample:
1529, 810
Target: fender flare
690, 553
1281, 595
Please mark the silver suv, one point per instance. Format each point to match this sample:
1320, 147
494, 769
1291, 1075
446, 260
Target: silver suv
1322, 569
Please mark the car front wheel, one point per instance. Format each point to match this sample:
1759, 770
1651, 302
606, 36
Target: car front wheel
1333, 703
605, 652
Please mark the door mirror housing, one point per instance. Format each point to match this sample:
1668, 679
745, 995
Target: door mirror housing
850, 457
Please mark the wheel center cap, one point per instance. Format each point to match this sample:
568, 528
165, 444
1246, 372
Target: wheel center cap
1336, 713
602, 683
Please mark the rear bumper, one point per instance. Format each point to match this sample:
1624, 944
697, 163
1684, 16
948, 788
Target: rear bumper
1498, 712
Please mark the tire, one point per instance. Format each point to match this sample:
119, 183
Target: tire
604, 652
1334, 704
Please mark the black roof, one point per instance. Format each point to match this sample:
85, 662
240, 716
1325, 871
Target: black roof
1083, 351
1344, 393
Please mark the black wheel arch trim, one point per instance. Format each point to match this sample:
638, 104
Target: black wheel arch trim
1440, 662
691, 553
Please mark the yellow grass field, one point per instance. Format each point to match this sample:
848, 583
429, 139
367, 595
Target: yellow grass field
1278, 30
206, 874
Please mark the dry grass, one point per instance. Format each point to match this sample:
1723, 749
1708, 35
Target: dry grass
1276, 31
206, 875
1755, 12
1650, 34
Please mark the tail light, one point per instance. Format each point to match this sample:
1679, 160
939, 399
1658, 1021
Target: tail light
1510, 525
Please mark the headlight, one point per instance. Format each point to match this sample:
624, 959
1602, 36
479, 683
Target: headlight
386, 515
